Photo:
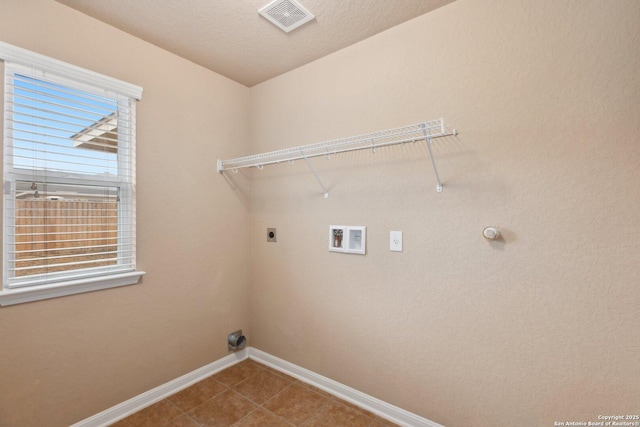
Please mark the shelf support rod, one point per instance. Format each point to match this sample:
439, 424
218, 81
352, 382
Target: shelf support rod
313, 170
427, 139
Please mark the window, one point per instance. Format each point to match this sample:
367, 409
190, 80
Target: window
69, 179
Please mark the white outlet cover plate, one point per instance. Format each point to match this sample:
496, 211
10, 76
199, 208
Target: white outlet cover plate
395, 241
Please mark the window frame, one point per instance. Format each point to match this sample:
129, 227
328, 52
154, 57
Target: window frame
20, 61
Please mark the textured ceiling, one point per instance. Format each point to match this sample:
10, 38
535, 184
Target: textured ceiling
230, 38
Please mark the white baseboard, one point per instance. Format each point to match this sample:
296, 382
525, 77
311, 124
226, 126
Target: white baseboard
135, 404
382, 409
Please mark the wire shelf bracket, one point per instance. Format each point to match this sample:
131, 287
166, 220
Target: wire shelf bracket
425, 131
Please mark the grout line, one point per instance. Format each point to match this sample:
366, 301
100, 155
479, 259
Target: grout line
178, 408
259, 406
325, 403
273, 397
168, 398
249, 413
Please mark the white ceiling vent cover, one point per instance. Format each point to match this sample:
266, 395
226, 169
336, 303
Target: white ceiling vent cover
286, 14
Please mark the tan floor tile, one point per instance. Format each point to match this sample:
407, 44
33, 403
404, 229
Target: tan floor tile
285, 401
335, 414
354, 407
262, 386
155, 415
197, 394
183, 421
315, 389
381, 422
275, 371
295, 403
222, 410
262, 418
238, 372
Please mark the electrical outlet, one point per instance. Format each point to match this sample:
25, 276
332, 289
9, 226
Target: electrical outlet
395, 241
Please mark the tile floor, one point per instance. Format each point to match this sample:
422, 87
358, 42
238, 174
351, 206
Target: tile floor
251, 394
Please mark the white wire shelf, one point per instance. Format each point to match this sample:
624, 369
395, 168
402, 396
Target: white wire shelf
425, 131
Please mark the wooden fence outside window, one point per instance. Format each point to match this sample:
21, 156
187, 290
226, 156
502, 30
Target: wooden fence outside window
61, 235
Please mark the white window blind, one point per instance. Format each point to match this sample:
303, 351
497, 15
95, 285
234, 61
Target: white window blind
69, 179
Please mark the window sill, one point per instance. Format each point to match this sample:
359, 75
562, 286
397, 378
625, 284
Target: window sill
36, 293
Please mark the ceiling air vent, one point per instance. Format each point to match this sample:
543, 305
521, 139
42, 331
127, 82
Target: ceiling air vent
286, 14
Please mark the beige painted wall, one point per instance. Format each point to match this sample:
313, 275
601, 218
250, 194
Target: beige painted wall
539, 327
65, 359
